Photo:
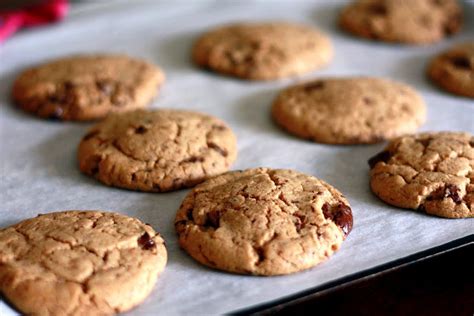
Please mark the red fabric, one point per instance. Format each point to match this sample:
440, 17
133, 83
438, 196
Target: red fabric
48, 12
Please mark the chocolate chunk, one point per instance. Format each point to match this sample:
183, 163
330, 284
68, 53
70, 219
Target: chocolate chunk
378, 9
448, 191
220, 150
141, 130
313, 86
300, 222
461, 62
68, 85
189, 214
383, 156
421, 208
146, 242
213, 219
452, 191
341, 214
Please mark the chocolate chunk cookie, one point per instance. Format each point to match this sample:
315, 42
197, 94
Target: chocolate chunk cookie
453, 70
429, 172
262, 51
263, 221
157, 151
87, 87
353, 110
79, 263
402, 21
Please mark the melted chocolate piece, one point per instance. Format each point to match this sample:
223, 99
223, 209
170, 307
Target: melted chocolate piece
341, 214
378, 9
140, 130
461, 62
300, 222
145, 242
448, 191
381, 156
452, 191
261, 255
213, 219
189, 214
421, 208
313, 86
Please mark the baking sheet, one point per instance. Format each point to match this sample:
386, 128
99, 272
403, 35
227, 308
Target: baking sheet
39, 169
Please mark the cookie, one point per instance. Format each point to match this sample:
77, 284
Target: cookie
354, 110
453, 70
79, 263
158, 150
402, 21
87, 87
428, 172
263, 221
262, 51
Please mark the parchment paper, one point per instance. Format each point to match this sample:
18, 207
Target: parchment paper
38, 158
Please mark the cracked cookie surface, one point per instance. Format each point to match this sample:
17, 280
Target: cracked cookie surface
402, 21
263, 221
429, 172
453, 70
79, 263
352, 110
87, 87
158, 151
262, 51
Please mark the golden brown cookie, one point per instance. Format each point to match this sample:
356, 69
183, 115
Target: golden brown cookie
429, 172
263, 221
262, 51
79, 263
453, 70
87, 87
402, 21
354, 110
158, 150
